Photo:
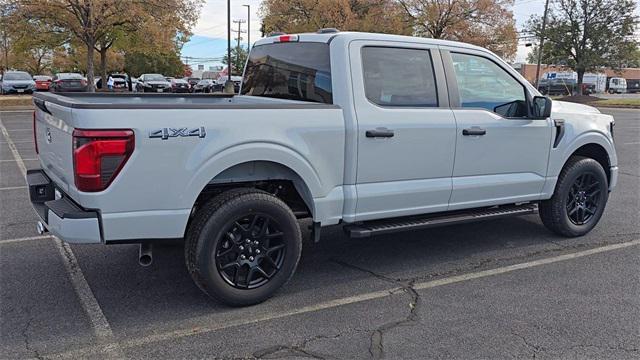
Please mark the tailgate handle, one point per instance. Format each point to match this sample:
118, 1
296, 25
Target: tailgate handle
41, 105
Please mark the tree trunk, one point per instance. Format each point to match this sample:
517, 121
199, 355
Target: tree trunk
580, 77
103, 67
90, 77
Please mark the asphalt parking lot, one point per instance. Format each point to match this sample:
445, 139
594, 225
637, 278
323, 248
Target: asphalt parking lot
500, 289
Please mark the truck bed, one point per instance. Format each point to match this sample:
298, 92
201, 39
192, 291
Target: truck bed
168, 101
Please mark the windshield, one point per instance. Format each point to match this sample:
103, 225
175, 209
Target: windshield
70, 76
154, 77
17, 76
295, 71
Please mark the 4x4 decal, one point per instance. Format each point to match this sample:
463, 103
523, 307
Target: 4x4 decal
166, 133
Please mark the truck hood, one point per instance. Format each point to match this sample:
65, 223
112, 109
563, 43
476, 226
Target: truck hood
565, 107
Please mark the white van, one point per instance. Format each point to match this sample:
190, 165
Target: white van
617, 85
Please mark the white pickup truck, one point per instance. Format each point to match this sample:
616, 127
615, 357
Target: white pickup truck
380, 133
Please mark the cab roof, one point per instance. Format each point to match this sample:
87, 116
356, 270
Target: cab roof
353, 35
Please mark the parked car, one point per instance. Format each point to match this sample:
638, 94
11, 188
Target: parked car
66, 82
204, 86
192, 82
555, 87
17, 82
42, 82
237, 81
219, 85
452, 134
153, 83
121, 82
180, 86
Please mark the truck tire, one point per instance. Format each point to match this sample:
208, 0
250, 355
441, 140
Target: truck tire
579, 199
242, 246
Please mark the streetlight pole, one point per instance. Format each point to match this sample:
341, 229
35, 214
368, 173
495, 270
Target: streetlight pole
544, 25
229, 40
248, 27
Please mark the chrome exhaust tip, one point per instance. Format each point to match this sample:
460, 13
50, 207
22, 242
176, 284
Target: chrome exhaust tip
41, 228
145, 256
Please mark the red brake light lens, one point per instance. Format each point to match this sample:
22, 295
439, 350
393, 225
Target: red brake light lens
99, 155
287, 38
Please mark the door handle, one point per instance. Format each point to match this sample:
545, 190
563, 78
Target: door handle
380, 133
474, 131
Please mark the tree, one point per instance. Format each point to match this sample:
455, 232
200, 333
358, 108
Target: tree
238, 59
295, 16
166, 63
34, 45
486, 23
91, 22
588, 34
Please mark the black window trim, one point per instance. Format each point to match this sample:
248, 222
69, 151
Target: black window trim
438, 74
454, 92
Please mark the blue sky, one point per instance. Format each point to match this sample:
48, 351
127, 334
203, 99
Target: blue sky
209, 39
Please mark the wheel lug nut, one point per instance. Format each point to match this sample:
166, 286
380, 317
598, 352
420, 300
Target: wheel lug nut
241, 247
248, 241
257, 251
256, 242
242, 257
251, 258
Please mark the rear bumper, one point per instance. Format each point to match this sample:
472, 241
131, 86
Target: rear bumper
62, 216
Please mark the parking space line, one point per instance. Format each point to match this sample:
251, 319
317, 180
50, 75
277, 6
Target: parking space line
99, 323
13, 188
243, 321
28, 129
17, 141
14, 160
30, 238
16, 111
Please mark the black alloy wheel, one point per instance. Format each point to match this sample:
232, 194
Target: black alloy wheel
251, 252
583, 199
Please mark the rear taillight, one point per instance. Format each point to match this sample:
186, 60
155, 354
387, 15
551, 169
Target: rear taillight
35, 137
99, 155
83, 82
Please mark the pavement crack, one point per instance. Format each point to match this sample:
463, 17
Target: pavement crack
27, 341
299, 349
535, 348
376, 345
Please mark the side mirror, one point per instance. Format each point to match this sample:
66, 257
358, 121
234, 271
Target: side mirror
541, 107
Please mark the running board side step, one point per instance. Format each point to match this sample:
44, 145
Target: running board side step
378, 227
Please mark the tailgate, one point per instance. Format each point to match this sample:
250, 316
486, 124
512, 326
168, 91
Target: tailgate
54, 138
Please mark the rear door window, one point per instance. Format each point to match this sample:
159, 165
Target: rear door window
295, 71
399, 77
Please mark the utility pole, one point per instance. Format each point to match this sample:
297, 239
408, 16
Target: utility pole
248, 27
544, 25
239, 38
